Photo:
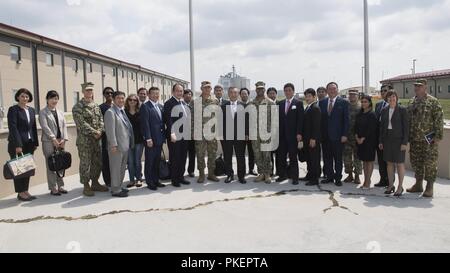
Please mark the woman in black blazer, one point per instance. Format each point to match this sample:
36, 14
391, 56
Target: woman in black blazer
394, 135
22, 138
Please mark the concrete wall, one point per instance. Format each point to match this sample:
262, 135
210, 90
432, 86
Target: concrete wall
439, 88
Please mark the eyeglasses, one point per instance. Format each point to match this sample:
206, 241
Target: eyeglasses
109, 93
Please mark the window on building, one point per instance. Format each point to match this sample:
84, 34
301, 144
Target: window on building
132, 76
123, 74
14, 91
90, 67
76, 97
15, 53
75, 65
114, 72
406, 90
431, 89
49, 59
449, 88
439, 89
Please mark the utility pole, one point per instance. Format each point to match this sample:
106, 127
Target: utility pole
366, 48
191, 44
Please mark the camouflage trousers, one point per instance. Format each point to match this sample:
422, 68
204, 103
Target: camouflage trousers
350, 156
424, 160
90, 162
203, 149
263, 159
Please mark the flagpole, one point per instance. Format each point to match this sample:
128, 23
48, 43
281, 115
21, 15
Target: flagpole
366, 48
191, 44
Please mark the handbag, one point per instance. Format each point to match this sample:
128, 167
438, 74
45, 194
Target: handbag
164, 168
20, 167
303, 155
59, 161
220, 167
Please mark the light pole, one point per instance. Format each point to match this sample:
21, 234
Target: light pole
362, 77
366, 48
191, 45
414, 66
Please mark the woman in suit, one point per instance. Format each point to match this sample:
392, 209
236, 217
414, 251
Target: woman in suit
54, 136
394, 134
366, 126
22, 138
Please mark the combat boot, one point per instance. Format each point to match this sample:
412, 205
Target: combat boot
201, 178
267, 179
417, 188
349, 178
87, 191
357, 181
212, 177
97, 187
429, 190
260, 178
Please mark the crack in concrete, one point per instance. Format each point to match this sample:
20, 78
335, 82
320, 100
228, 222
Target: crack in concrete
115, 212
335, 203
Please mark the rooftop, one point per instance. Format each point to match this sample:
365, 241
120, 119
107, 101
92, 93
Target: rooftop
426, 75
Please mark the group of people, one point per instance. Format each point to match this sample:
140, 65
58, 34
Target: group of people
112, 137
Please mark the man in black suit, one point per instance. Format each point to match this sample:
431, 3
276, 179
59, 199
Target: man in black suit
234, 136
245, 94
382, 165
290, 127
187, 97
177, 144
311, 137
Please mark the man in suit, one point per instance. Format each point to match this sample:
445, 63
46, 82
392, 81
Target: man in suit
335, 126
382, 165
143, 96
187, 97
119, 133
177, 144
218, 93
234, 132
311, 137
290, 119
245, 94
152, 127
272, 94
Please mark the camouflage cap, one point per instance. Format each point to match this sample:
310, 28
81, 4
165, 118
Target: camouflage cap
260, 85
421, 82
206, 84
353, 92
87, 86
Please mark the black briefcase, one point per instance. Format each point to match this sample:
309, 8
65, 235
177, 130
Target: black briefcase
59, 162
220, 167
164, 168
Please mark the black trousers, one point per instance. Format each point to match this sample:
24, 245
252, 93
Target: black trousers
191, 155
251, 156
23, 184
313, 163
238, 147
285, 149
382, 167
332, 158
106, 173
177, 158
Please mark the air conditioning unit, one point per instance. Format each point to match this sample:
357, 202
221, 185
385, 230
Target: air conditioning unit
19, 61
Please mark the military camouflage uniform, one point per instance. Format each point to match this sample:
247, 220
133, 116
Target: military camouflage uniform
204, 147
426, 116
351, 161
263, 159
89, 120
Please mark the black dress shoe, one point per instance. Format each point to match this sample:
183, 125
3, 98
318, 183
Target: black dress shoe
176, 184
55, 193
152, 187
381, 184
312, 183
326, 181
304, 178
185, 182
229, 179
121, 194
160, 185
192, 175
281, 179
242, 181
125, 190
338, 183
28, 199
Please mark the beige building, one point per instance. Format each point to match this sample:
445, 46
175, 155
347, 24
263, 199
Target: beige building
438, 83
40, 64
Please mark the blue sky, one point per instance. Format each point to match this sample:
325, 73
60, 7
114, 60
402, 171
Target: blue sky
274, 41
